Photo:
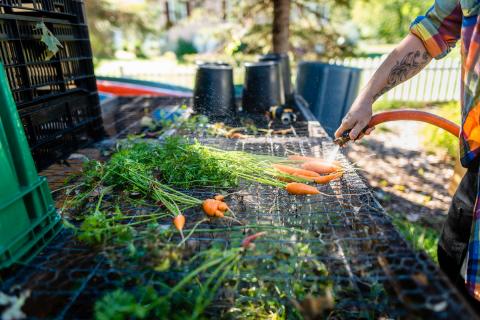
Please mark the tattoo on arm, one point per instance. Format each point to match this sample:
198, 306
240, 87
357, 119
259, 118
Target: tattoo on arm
410, 64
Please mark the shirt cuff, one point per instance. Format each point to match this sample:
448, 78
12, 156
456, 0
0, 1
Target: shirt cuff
424, 29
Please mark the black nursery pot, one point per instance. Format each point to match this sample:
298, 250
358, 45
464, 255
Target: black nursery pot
263, 87
284, 61
214, 94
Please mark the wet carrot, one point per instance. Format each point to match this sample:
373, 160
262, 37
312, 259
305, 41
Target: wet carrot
295, 171
179, 222
321, 167
210, 207
247, 241
300, 188
219, 197
298, 157
237, 135
222, 206
329, 177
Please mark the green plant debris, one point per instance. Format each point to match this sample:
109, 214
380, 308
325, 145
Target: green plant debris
419, 236
48, 38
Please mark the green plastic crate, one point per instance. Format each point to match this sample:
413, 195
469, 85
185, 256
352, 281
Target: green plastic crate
28, 219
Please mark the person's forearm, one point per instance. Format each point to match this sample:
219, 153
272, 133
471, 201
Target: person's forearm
408, 59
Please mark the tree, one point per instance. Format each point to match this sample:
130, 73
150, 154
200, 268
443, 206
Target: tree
281, 26
387, 21
298, 26
104, 16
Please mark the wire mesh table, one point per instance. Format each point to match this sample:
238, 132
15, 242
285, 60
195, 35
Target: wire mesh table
373, 271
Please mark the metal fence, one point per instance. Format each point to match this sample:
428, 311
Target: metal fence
439, 81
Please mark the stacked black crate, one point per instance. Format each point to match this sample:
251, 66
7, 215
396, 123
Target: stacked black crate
56, 98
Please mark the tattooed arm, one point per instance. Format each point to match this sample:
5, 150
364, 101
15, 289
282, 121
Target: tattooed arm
408, 59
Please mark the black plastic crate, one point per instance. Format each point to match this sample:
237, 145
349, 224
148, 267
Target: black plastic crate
32, 78
52, 8
57, 99
58, 127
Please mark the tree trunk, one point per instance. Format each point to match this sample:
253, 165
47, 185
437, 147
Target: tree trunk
281, 25
224, 10
188, 5
168, 20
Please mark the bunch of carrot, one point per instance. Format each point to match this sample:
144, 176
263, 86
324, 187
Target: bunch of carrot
312, 169
273, 171
174, 201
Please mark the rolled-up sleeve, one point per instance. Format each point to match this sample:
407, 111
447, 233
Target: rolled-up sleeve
440, 28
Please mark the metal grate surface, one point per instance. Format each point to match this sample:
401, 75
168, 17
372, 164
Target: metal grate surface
374, 272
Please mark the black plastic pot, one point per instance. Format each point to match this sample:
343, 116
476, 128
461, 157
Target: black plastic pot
329, 90
263, 87
284, 61
214, 94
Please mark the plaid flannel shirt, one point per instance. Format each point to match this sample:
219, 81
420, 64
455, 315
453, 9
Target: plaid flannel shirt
440, 28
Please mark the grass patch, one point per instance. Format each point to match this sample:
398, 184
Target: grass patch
384, 105
419, 236
437, 140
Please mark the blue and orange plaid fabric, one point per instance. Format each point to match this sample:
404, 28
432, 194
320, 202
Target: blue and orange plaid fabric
440, 28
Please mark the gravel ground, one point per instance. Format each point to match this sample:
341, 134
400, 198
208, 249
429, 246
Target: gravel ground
407, 181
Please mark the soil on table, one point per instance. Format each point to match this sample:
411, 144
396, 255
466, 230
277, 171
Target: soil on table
407, 180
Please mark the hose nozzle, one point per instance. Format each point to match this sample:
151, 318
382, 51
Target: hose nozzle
343, 139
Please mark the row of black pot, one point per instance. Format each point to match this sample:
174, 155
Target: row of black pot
267, 84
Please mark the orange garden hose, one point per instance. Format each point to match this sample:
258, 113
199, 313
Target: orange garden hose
415, 115
398, 115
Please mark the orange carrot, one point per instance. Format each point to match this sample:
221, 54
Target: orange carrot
247, 241
210, 207
179, 222
222, 206
329, 177
298, 157
219, 197
301, 158
295, 171
219, 214
321, 167
237, 135
300, 188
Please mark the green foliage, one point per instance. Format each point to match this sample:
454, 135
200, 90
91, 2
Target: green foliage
316, 28
121, 305
438, 140
387, 21
135, 20
419, 236
384, 105
184, 165
184, 47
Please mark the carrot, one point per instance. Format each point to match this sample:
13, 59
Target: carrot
210, 207
329, 177
300, 188
219, 197
298, 157
237, 135
179, 222
219, 214
295, 171
222, 206
301, 158
321, 167
247, 241
289, 179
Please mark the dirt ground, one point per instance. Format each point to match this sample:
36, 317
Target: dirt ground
406, 180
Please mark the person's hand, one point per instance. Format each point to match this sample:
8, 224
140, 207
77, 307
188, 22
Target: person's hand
357, 118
